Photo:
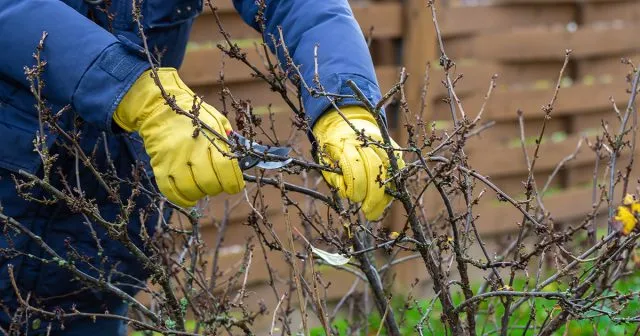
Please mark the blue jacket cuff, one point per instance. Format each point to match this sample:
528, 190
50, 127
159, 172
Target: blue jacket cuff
105, 83
337, 84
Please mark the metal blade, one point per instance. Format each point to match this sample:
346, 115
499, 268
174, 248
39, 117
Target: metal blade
249, 161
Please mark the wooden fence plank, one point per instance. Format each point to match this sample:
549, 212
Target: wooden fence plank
546, 44
205, 28
583, 175
606, 68
507, 133
203, 67
612, 11
567, 206
511, 161
386, 18
574, 100
501, 218
475, 76
592, 122
500, 162
456, 21
548, 2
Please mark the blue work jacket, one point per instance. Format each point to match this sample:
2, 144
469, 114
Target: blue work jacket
92, 61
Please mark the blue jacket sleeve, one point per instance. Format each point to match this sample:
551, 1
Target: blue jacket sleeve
87, 67
342, 50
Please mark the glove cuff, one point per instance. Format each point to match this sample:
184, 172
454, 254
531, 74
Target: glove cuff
332, 121
144, 97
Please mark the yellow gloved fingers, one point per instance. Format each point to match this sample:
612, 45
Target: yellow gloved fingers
184, 186
326, 157
378, 209
223, 123
203, 172
360, 168
231, 179
199, 176
385, 158
168, 186
375, 201
219, 155
374, 210
354, 173
172, 162
351, 183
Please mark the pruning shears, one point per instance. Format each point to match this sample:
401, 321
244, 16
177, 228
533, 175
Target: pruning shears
248, 161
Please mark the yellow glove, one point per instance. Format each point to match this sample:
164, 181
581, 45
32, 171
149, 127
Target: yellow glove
186, 168
361, 166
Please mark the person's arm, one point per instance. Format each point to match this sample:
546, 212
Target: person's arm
342, 50
87, 67
342, 56
101, 78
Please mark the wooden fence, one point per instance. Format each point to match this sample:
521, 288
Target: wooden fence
523, 41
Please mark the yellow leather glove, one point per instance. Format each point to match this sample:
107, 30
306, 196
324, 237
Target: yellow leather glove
186, 168
361, 166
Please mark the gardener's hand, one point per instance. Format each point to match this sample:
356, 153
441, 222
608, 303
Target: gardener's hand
363, 168
186, 168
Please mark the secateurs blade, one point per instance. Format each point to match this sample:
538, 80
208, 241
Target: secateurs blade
248, 161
